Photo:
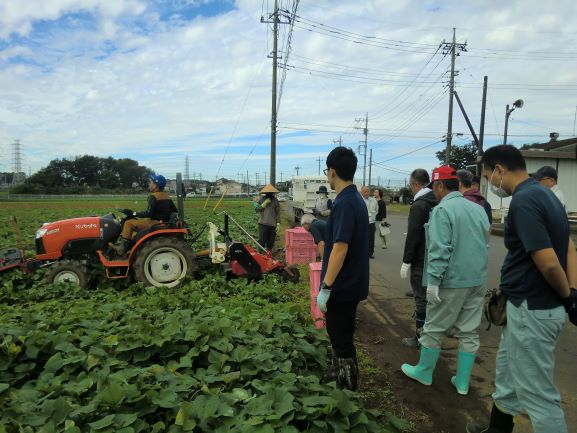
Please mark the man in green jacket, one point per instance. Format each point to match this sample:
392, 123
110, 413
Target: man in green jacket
455, 275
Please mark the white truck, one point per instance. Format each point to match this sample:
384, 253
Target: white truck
303, 194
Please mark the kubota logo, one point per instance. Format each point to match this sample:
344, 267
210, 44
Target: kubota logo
85, 226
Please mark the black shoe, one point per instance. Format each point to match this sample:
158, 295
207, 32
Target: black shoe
501, 422
475, 427
347, 373
412, 342
410, 294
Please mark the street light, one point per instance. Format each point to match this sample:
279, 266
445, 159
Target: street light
517, 104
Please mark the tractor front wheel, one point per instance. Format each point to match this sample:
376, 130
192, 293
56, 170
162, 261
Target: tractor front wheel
164, 262
68, 271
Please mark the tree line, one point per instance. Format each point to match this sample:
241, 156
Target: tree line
86, 175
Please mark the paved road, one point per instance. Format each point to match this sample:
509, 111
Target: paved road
387, 297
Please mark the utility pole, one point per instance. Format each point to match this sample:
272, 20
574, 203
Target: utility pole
366, 133
264, 181
452, 48
273, 114
281, 177
340, 140
482, 127
370, 165
247, 183
274, 18
319, 160
297, 168
574, 120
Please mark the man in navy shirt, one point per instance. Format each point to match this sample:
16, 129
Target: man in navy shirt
538, 278
317, 229
345, 271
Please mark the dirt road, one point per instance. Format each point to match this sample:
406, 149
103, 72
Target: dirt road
386, 317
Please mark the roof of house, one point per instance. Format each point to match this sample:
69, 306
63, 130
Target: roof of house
558, 149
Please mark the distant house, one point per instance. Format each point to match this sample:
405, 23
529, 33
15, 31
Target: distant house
561, 154
226, 186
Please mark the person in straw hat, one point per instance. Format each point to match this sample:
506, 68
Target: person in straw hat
268, 208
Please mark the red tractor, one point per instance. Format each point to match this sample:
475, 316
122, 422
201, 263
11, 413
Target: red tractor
161, 256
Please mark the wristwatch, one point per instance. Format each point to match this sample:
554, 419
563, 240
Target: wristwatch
324, 286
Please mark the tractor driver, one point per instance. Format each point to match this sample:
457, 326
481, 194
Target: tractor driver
160, 207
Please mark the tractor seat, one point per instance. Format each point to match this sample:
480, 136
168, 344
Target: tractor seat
173, 223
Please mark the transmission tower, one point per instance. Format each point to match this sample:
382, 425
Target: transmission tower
18, 175
186, 170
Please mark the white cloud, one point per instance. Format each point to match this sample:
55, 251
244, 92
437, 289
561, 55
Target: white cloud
157, 90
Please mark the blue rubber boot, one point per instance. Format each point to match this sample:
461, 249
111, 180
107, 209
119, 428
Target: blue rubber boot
423, 371
465, 362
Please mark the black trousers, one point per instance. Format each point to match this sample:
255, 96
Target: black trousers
371, 239
420, 293
266, 236
340, 320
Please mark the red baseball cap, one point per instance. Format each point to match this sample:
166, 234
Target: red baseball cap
444, 172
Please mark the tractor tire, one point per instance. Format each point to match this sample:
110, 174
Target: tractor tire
164, 262
69, 271
294, 278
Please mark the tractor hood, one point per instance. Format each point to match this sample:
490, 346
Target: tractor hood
75, 236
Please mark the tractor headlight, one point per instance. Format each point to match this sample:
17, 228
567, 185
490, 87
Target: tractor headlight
40, 233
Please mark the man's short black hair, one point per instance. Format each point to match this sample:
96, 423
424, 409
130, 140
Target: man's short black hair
506, 155
344, 161
450, 184
421, 176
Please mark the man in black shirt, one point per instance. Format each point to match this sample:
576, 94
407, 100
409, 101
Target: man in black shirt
538, 278
345, 271
414, 253
160, 207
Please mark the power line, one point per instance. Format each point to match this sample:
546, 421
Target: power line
312, 61
411, 152
336, 30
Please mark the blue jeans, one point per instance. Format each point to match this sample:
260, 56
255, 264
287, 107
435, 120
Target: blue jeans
525, 366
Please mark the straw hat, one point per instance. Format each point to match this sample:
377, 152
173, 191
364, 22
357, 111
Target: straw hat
269, 188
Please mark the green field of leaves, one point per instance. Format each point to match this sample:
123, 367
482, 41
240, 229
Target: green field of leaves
210, 356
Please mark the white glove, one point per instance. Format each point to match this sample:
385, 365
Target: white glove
433, 295
405, 270
277, 227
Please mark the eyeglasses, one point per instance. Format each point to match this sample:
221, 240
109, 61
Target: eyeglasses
326, 170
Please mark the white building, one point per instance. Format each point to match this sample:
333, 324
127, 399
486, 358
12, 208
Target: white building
229, 187
562, 155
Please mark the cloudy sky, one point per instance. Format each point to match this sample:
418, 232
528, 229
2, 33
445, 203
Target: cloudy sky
159, 80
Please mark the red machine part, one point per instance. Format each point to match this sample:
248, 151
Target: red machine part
57, 234
265, 262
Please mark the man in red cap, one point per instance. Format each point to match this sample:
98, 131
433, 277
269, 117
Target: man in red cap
455, 274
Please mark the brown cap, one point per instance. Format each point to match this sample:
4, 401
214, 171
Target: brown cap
269, 188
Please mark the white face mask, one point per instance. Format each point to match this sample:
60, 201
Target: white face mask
498, 191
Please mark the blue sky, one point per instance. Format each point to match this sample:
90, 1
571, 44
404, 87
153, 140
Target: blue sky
158, 80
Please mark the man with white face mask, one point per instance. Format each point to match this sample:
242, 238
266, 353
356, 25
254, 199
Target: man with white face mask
538, 278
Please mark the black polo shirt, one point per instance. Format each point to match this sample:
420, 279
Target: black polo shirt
318, 229
536, 221
349, 223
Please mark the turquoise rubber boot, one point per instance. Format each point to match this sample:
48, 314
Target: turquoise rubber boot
423, 371
465, 362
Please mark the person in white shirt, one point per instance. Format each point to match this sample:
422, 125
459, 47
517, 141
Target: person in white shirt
372, 208
323, 204
547, 176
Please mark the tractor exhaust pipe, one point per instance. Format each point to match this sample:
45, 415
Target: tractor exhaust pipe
180, 194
